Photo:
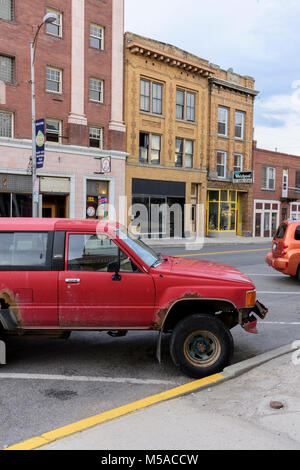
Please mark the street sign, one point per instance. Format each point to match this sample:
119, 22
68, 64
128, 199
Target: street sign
40, 142
243, 177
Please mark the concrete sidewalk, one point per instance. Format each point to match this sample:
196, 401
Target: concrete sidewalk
206, 241
232, 414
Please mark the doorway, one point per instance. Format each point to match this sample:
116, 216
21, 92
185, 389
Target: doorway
54, 206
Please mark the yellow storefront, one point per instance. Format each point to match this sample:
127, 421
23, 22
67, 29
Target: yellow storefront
224, 214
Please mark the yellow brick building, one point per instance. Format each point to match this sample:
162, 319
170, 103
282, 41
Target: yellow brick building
173, 105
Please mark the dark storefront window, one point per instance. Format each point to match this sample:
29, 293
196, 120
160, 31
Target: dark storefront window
158, 208
15, 205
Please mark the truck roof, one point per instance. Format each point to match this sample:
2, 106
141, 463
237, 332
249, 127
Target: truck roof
30, 224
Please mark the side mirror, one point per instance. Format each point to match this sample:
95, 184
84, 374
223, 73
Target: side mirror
114, 267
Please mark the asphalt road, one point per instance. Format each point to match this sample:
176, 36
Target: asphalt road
51, 383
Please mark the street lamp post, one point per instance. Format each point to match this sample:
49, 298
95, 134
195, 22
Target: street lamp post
48, 18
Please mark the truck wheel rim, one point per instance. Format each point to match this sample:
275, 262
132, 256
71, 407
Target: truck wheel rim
202, 348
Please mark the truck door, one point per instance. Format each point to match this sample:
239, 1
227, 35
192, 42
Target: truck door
91, 296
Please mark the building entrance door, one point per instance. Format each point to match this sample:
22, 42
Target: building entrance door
54, 206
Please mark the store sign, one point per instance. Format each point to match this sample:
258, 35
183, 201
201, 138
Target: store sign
105, 165
40, 142
243, 177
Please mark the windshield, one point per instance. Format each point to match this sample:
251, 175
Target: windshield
147, 255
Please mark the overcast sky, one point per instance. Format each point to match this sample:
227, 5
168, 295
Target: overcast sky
260, 38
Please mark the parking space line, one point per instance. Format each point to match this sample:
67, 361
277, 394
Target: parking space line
266, 275
278, 292
74, 378
278, 323
84, 424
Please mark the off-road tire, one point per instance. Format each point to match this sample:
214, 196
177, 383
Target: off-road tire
201, 345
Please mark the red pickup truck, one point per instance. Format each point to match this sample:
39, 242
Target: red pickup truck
59, 276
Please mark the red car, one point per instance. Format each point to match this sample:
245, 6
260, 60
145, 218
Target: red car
59, 276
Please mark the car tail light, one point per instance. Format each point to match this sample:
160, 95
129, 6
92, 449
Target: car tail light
284, 249
250, 298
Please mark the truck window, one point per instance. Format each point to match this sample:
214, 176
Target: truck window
91, 252
297, 233
23, 249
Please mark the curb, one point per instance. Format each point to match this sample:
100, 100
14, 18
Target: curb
245, 366
191, 387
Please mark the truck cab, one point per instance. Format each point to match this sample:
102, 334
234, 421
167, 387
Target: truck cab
58, 276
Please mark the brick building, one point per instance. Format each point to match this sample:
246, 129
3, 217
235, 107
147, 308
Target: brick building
189, 129
276, 190
79, 93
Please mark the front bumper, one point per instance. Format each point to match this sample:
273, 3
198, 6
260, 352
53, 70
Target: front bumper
250, 323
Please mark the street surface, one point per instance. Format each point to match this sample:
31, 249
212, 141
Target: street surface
50, 383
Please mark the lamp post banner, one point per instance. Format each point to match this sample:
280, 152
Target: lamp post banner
40, 142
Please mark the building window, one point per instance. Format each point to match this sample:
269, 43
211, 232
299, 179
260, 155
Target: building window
268, 178
96, 36
7, 68
189, 153
185, 105
55, 28
53, 80
6, 124
266, 218
53, 130
96, 137
184, 153
238, 162
239, 125
7, 10
96, 90
294, 211
151, 97
221, 164
222, 121
97, 199
150, 148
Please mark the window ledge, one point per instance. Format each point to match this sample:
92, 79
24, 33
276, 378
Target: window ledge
184, 121
57, 36
223, 136
146, 113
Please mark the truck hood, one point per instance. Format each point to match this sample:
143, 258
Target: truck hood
204, 269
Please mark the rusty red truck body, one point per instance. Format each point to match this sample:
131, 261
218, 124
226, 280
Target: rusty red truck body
59, 276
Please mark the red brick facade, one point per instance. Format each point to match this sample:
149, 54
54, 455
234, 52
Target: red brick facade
273, 202
56, 52
70, 182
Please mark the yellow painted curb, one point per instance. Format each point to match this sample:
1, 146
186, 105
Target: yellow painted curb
84, 424
223, 252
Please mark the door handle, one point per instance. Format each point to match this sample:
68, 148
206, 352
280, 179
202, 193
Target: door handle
73, 281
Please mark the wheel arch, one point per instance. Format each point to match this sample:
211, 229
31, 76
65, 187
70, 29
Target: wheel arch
182, 308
